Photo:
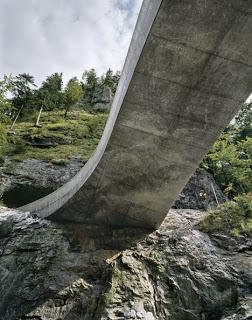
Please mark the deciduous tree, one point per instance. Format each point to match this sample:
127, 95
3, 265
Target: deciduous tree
72, 93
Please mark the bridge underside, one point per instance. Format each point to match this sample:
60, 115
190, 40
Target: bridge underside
188, 70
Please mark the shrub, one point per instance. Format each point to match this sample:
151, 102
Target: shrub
233, 217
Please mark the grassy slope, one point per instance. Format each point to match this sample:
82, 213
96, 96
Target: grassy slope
79, 134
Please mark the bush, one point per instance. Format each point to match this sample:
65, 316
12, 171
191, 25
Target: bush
230, 158
233, 217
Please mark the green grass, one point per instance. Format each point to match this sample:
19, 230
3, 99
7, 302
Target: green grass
79, 135
232, 217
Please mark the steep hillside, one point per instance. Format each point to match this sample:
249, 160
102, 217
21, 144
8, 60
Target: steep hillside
56, 139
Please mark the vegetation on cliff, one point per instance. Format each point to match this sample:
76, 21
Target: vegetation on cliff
52, 122
230, 158
57, 138
27, 98
230, 163
234, 217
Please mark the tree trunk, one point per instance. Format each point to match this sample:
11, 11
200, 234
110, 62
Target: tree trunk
38, 118
15, 120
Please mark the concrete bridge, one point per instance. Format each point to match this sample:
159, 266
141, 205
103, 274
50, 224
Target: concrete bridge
187, 72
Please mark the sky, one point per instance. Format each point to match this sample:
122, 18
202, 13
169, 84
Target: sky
41, 37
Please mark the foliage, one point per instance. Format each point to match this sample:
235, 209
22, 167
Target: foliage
91, 81
3, 142
3, 134
111, 80
26, 99
50, 94
234, 217
5, 110
230, 158
79, 136
72, 94
41, 98
21, 88
5, 105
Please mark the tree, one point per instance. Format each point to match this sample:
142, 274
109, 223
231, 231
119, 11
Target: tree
5, 104
230, 158
111, 80
51, 88
107, 79
90, 81
5, 113
72, 94
22, 93
49, 96
41, 101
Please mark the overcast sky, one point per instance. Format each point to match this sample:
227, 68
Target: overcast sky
46, 36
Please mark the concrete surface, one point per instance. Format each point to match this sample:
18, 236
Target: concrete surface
187, 72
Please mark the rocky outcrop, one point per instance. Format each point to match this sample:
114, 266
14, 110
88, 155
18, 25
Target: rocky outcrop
102, 98
50, 271
33, 179
43, 142
200, 192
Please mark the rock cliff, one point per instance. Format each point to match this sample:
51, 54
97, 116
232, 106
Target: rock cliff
200, 193
32, 179
53, 271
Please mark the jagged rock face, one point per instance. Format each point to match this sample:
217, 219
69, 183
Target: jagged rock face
40, 173
200, 192
32, 179
76, 272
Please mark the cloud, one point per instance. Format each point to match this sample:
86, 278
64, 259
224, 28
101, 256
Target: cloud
69, 36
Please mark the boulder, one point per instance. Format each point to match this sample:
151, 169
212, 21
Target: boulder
102, 98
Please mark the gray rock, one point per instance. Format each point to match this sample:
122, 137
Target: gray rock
149, 316
43, 142
198, 193
102, 98
5, 228
40, 176
50, 271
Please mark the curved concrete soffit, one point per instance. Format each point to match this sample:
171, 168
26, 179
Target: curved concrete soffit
47, 205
